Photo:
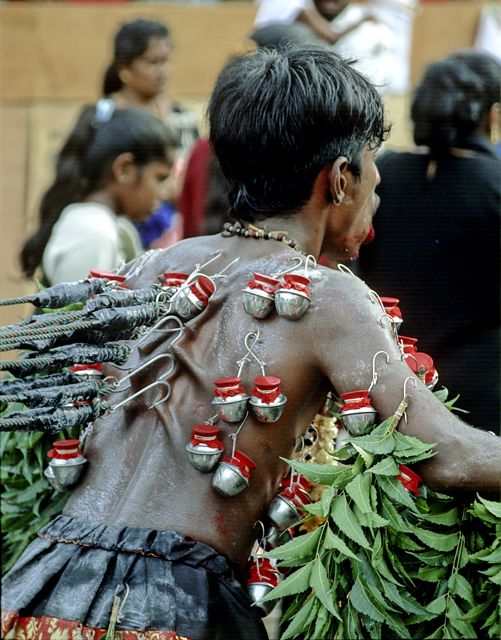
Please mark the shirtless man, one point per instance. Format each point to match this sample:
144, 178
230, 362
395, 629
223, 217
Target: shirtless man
296, 133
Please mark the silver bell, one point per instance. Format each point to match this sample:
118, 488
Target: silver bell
282, 512
273, 537
291, 304
268, 412
232, 474
186, 304
358, 422
66, 472
229, 480
202, 457
49, 474
257, 303
267, 400
231, 409
257, 591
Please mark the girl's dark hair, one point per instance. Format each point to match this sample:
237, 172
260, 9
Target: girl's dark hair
131, 41
454, 98
279, 116
85, 160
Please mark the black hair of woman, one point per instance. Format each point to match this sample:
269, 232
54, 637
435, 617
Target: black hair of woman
454, 100
336, 114
84, 162
131, 41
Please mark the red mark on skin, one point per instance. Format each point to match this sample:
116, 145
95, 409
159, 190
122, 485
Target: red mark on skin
221, 524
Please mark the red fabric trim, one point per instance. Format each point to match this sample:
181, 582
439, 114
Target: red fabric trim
409, 479
261, 570
229, 393
16, 627
267, 397
254, 284
357, 404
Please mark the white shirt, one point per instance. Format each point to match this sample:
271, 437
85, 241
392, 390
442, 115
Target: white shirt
88, 236
279, 11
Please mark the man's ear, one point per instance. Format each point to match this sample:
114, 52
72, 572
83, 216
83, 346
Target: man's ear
339, 179
123, 168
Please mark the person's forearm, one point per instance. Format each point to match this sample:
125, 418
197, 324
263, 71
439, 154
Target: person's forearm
319, 25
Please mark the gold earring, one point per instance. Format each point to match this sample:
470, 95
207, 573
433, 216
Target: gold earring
125, 76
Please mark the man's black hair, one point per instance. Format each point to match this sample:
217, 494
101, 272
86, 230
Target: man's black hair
278, 117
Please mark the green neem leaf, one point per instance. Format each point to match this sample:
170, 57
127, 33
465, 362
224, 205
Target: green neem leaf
319, 582
377, 442
359, 491
403, 541
402, 599
300, 547
395, 490
396, 623
367, 457
300, 620
385, 467
410, 446
395, 519
438, 541
345, 520
326, 500
441, 394
434, 558
351, 622
370, 519
494, 577
438, 605
296, 582
480, 511
491, 506
315, 508
332, 541
322, 624
362, 599
447, 518
378, 561
319, 473
455, 616
486, 555
431, 574
459, 586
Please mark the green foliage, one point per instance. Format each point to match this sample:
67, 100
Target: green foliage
387, 564
28, 501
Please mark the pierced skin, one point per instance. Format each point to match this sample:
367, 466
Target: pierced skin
139, 473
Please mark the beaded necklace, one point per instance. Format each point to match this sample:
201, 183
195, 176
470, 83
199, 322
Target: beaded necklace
251, 231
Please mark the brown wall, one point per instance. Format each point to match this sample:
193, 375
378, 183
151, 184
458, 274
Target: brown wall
52, 57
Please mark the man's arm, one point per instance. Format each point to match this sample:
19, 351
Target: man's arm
353, 330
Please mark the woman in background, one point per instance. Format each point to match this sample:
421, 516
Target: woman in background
137, 77
110, 174
437, 229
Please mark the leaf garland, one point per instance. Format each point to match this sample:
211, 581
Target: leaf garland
384, 563
28, 500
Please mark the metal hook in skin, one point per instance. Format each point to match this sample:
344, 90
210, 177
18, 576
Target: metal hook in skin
378, 298
234, 435
220, 273
261, 363
311, 259
261, 540
247, 357
374, 373
407, 396
145, 366
156, 326
298, 261
157, 383
392, 325
344, 269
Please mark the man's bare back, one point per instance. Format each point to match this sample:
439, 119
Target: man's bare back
140, 474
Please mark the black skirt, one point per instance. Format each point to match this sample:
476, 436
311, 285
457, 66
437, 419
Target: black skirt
164, 582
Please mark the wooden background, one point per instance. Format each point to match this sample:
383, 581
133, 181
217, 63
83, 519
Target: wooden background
52, 58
